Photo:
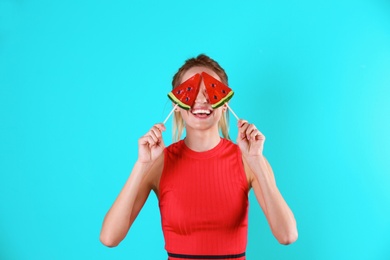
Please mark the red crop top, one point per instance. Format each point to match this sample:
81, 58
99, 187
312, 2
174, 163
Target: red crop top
203, 200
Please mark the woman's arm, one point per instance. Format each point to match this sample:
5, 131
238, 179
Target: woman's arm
133, 195
275, 208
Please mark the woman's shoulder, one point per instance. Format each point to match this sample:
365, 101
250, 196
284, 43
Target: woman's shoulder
175, 147
229, 144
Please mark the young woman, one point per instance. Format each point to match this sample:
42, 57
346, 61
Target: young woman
202, 181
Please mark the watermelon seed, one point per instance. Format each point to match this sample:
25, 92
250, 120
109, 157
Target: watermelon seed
189, 88
213, 85
223, 91
215, 97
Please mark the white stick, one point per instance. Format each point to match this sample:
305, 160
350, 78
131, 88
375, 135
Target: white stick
231, 110
170, 113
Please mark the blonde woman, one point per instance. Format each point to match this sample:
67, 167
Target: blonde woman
201, 181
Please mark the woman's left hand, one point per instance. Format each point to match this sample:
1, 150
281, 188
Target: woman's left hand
250, 139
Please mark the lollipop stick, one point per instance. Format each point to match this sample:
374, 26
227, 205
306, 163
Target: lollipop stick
231, 110
170, 113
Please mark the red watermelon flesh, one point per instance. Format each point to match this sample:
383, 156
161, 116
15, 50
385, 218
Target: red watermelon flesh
217, 91
185, 94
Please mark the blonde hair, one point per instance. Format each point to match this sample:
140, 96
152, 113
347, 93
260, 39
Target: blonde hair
199, 61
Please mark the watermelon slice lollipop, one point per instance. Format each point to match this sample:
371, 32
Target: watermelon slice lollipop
218, 92
185, 94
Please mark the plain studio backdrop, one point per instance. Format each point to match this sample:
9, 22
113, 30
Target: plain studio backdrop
80, 82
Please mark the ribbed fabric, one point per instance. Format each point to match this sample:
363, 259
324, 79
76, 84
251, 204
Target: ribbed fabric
203, 200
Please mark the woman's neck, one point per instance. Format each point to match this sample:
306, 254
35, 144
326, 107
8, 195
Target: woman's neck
201, 141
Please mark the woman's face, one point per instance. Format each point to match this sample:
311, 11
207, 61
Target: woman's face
201, 116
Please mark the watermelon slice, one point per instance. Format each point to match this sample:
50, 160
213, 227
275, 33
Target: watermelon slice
185, 94
218, 92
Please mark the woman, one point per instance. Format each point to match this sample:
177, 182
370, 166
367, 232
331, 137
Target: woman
202, 181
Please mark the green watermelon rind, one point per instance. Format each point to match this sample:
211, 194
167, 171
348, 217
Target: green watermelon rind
187, 107
223, 100
178, 102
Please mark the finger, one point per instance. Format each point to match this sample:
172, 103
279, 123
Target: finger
256, 135
260, 136
158, 129
251, 132
250, 128
153, 136
147, 140
242, 127
241, 123
155, 133
160, 126
144, 141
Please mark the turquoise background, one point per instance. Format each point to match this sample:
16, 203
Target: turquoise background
81, 81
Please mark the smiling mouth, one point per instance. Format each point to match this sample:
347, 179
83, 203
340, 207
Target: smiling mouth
201, 113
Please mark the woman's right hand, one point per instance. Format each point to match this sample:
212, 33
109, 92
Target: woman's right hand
151, 145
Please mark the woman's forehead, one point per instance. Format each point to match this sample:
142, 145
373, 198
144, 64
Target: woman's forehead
194, 70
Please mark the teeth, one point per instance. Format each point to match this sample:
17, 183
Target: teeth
201, 111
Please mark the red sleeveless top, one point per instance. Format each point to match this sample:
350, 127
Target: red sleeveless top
203, 200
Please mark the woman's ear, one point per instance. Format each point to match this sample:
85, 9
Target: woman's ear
224, 107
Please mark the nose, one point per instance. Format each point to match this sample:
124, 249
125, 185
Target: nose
202, 97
